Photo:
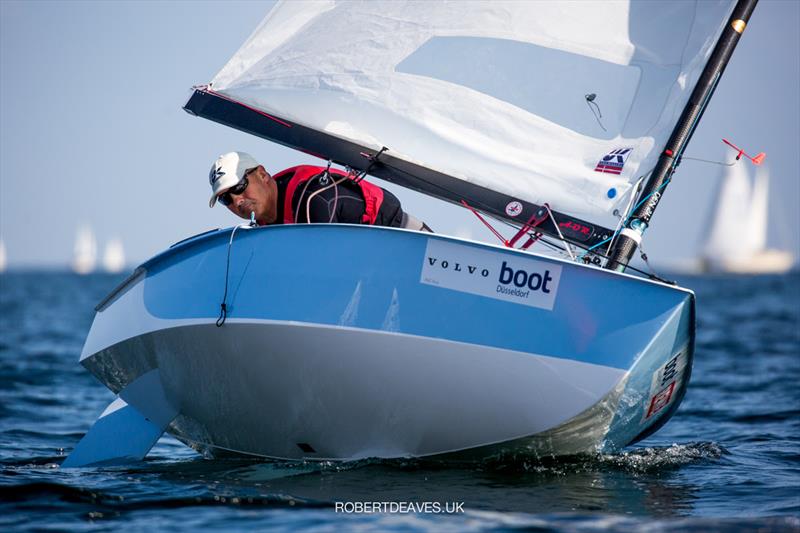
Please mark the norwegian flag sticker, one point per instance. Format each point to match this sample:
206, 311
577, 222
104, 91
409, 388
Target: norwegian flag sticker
613, 162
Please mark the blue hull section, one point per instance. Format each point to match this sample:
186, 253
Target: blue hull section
370, 278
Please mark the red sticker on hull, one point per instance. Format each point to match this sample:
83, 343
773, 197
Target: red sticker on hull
660, 400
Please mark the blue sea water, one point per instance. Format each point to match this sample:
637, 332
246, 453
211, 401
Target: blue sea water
728, 460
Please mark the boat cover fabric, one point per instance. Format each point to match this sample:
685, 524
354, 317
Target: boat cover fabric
566, 102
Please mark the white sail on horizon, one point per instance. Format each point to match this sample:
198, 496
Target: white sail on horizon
729, 235
85, 252
3, 257
559, 102
114, 256
759, 210
737, 239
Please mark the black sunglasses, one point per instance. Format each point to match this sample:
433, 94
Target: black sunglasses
225, 198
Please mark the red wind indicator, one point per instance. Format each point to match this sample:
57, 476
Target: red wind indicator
757, 160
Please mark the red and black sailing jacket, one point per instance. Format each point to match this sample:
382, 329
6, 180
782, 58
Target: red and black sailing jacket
306, 194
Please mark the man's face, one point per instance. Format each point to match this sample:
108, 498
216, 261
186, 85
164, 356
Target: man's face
260, 197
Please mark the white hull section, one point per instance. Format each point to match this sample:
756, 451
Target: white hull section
302, 391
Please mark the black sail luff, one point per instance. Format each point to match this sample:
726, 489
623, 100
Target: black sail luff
627, 242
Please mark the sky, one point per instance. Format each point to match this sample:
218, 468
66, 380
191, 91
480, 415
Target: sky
92, 131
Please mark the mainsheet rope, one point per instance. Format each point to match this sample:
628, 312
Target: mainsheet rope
223, 307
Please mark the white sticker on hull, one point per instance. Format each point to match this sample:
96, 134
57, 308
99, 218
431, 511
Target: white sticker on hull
665, 384
497, 275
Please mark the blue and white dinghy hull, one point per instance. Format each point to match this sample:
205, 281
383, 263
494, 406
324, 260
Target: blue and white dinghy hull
346, 342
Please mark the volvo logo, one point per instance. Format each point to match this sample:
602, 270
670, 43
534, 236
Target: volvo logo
457, 267
491, 273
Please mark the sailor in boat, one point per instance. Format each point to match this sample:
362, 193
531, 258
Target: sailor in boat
303, 193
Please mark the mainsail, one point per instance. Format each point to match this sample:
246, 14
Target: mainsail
565, 103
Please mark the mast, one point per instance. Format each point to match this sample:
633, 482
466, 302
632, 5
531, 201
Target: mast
631, 236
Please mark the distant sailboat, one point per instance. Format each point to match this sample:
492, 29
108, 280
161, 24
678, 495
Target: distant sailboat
3, 258
737, 242
114, 257
85, 256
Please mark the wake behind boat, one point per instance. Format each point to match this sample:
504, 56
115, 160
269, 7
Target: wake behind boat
343, 342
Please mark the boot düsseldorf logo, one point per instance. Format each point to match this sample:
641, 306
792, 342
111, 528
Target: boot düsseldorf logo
498, 275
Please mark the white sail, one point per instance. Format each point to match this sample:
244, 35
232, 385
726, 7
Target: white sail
3, 258
85, 253
114, 256
737, 241
759, 212
565, 102
732, 216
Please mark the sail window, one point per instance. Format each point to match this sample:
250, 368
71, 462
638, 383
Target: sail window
546, 82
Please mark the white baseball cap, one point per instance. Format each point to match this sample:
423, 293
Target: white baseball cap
227, 171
